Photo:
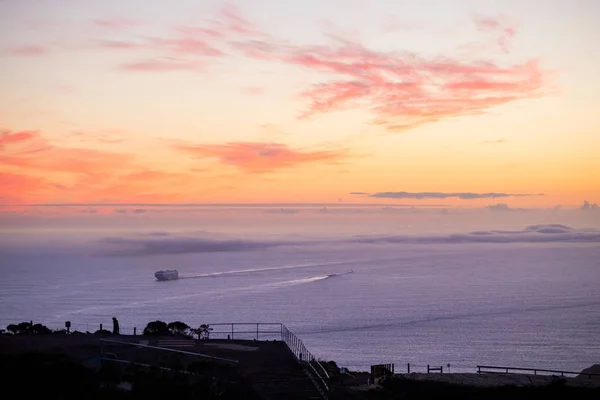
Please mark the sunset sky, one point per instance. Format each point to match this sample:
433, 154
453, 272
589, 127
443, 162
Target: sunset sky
465, 102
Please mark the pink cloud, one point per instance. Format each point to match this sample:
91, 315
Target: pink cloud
402, 90
260, 157
117, 44
253, 90
189, 45
504, 29
164, 65
234, 22
116, 23
29, 50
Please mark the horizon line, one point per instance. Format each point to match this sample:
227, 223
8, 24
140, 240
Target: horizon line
224, 205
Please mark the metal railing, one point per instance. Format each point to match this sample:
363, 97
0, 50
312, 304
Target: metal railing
493, 369
276, 331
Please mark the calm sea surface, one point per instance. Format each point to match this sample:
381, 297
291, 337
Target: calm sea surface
507, 304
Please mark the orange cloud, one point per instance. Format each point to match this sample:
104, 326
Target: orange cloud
261, 157
8, 137
32, 170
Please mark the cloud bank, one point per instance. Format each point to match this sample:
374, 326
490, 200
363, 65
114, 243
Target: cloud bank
544, 233
167, 244
121, 246
442, 195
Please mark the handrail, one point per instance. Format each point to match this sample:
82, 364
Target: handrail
296, 346
304, 356
535, 370
302, 352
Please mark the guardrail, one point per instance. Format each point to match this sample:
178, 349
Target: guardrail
276, 331
506, 370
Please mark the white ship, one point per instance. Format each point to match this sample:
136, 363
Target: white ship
167, 275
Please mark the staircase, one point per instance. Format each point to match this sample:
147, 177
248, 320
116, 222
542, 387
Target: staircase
278, 375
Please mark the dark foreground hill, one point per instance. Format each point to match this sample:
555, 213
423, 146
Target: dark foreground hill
71, 367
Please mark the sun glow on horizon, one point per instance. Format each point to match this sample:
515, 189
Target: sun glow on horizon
477, 105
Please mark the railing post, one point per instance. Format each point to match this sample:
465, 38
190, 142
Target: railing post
134, 331
408, 367
231, 331
427, 368
257, 331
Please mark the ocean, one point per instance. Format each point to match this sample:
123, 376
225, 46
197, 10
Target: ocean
526, 296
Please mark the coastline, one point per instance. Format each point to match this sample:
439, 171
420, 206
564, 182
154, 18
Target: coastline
272, 361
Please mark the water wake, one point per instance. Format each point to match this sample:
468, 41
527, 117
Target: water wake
256, 270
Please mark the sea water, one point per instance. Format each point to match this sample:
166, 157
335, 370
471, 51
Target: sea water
443, 302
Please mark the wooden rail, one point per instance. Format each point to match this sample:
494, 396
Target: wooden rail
506, 370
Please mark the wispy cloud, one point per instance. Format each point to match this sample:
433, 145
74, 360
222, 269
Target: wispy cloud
103, 136
496, 141
164, 65
261, 157
442, 195
253, 90
31, 50
116, 23
501, 27
403, 89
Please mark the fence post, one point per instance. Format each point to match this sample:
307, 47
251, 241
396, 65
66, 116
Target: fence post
100, 326
256, 331
408, 365
231, 331
427, 368
134, 331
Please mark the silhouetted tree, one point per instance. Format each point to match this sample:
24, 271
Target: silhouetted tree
28, 328
156, 328
39, 329
203, 331
179, 328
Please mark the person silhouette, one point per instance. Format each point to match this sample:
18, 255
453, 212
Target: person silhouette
115, 326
